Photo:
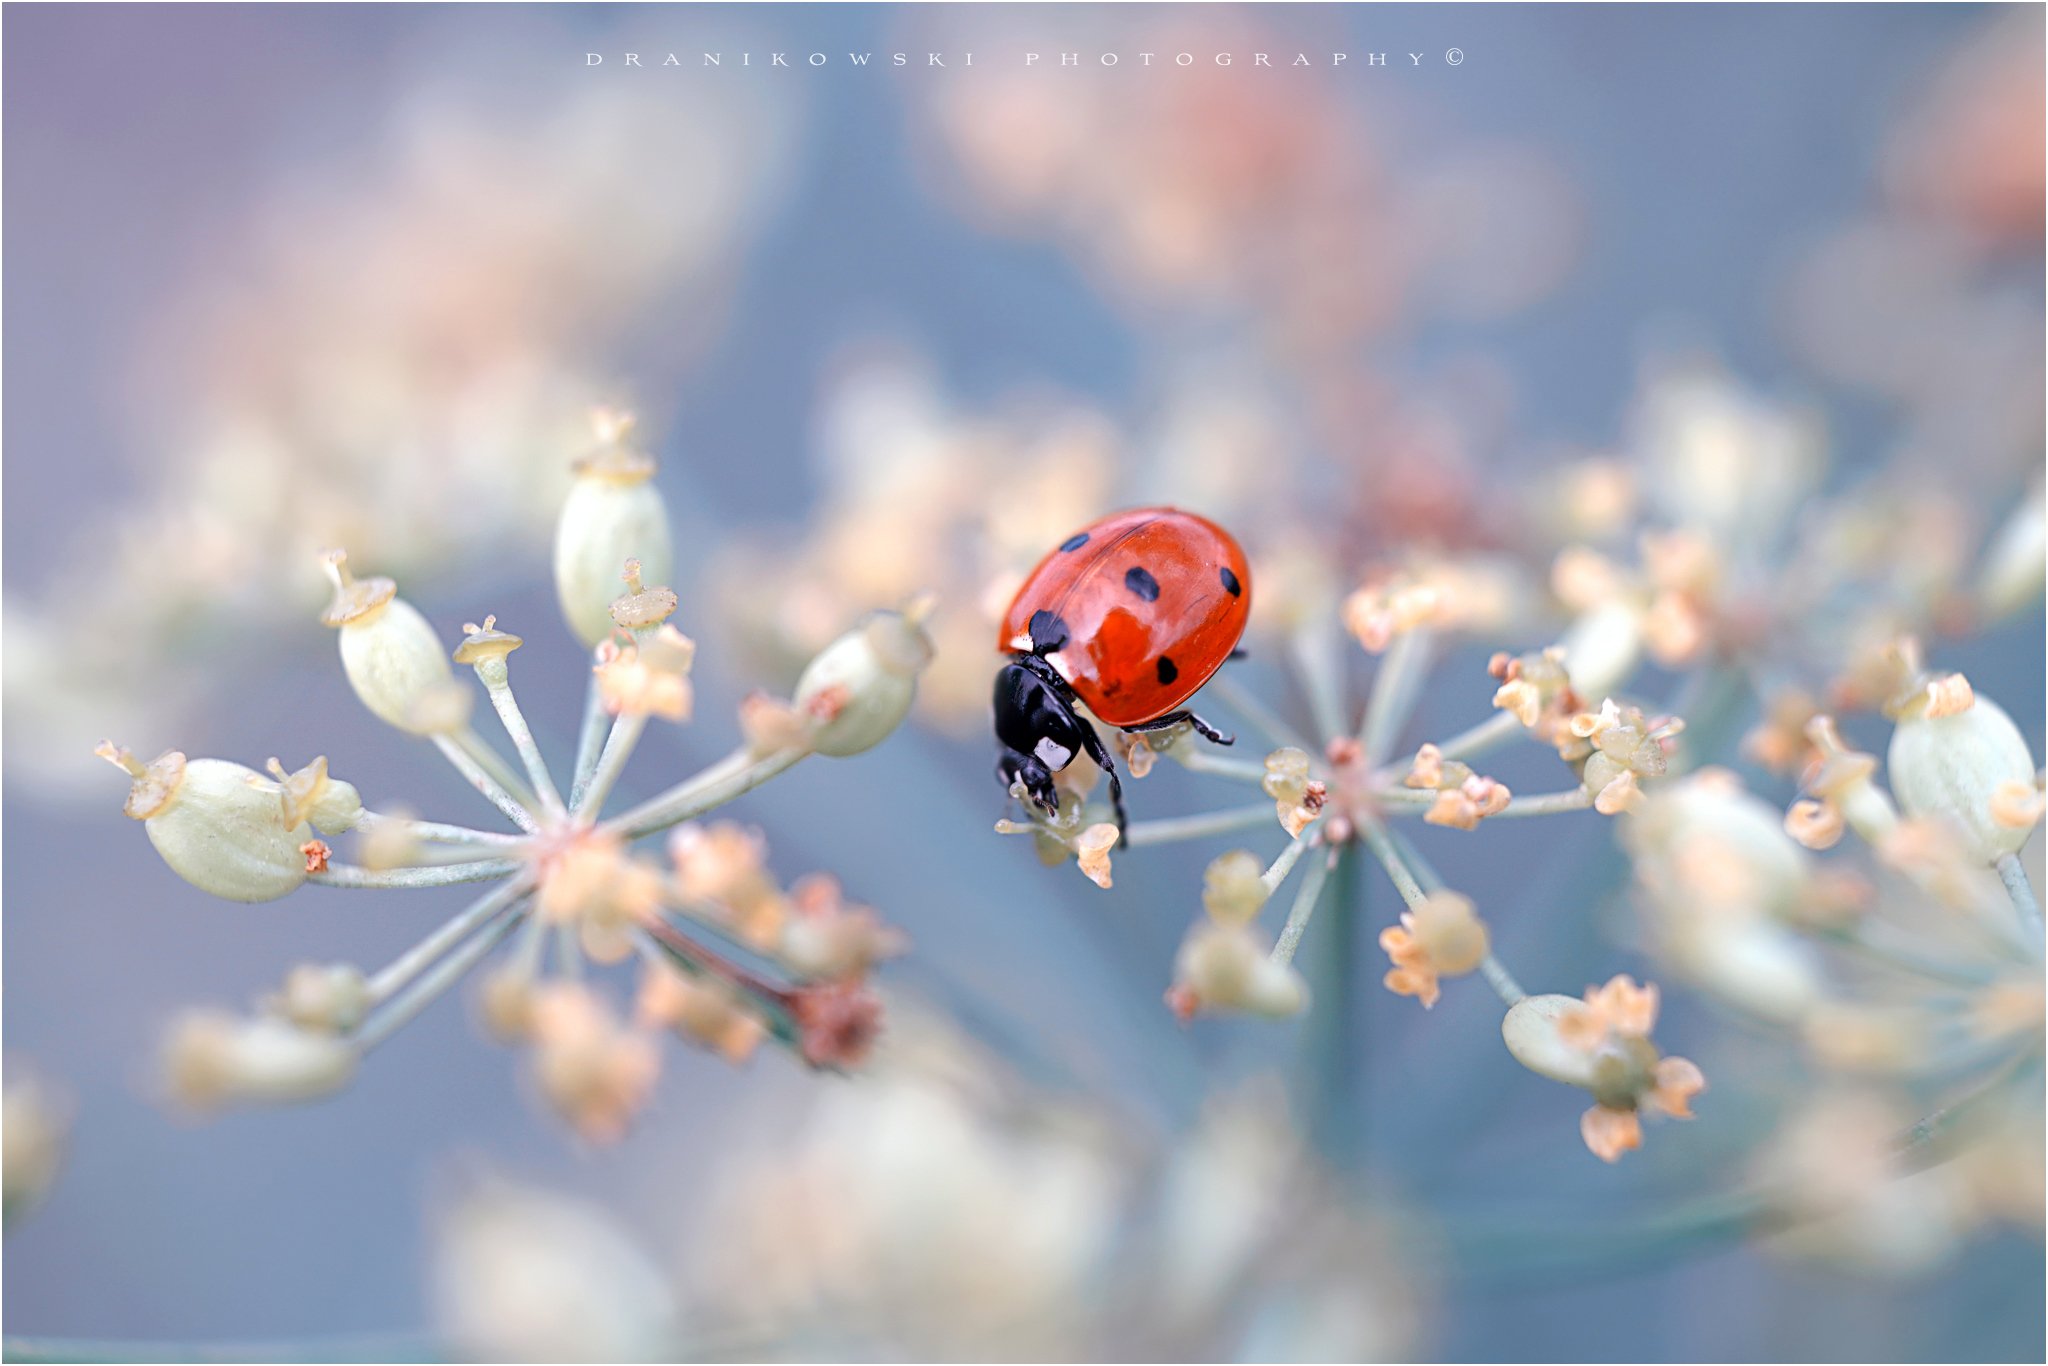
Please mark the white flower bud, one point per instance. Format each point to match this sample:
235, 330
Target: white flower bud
1224, 967
1707, 845
1758, 965
2011, 574
1603, 647
36, 1120
613, 514
391, 655
1234, 887
332, 998
860, 687
217, 824
1952, 766
1531, 1032
214, 1058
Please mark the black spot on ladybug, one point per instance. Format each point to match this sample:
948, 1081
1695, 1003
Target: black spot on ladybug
1075, 541
1141, 582
1168, 671
1230, 583
1048, 632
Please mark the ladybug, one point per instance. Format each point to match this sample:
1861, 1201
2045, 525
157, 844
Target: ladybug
1130, 616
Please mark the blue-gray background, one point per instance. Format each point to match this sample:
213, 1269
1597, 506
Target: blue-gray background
1709, 145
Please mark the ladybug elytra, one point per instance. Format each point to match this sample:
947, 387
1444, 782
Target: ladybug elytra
1129, 616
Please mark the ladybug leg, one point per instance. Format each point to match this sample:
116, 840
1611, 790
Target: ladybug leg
1174, 718
1099, 752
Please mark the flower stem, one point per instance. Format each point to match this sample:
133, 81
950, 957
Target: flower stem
433, 875
433, 832
1284, 864
1208, 823
436, 980
733, 776
1201, 761
1332, 1031
1545, 804
421, 955
494, 791
618, 748
1494, 731
1322, 676
2021, 891
589, 739
521, 734
1390, 858
1396, 687
493, 763
1302, 911
1262, 719
1501, 980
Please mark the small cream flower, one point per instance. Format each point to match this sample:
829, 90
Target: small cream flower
1091, 850
1441, 937
595, 885
1536, 690
596, 1072
726, 865
1297, 798
1228, 968
1620, 748
1602, 1045
36, 1120
701, 1009
331, 997
213, 1058
1234, 888
1817, 825
1464, 806
649, 676
828, 936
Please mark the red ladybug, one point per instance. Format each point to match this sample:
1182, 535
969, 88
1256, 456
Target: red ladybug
1130, 616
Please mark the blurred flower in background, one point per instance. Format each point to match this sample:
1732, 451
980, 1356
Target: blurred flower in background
388, 347
943, 1209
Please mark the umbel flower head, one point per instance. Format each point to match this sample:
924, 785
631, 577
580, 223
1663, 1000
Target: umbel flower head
726, 957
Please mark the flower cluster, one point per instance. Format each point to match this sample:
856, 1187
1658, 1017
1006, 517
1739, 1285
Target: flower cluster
728, 957
943, 1204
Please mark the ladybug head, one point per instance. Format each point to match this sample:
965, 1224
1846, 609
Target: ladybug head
1036, 728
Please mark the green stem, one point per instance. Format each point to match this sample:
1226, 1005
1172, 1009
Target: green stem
1396, 687
1302, 911
432, 832
1390, 858
1239, 699
420, 956
1331, 1032
429, 987
493, 791
432, 875
514, 721
733, 776
2014, 876
618, 748
1208, 823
